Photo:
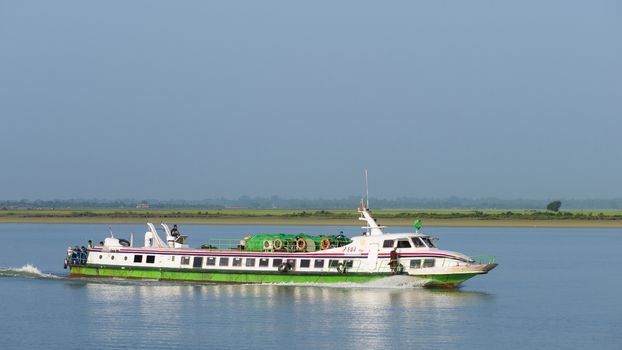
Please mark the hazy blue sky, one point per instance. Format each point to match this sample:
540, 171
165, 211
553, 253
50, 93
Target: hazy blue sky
198, 99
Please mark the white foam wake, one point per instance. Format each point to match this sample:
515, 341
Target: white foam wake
398, 281
390, 282
28, 270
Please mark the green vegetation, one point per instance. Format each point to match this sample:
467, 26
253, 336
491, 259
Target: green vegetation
405, 217
452, 203
554, 206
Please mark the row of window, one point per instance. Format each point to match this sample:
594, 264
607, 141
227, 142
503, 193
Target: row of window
406, 243
265, 262
149, 260
261, 262
420, 263
137, 258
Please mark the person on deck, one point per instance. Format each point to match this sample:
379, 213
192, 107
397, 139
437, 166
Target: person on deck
393, 262
175, 232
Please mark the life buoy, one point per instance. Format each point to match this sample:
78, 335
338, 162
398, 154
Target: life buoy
325, 243
277, 244
301, 244
284, 267
267, 244
341, 268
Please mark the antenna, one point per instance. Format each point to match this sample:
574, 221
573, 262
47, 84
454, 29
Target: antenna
366, 189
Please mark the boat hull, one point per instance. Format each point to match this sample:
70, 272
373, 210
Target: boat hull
453, 276
216, 276
255, 277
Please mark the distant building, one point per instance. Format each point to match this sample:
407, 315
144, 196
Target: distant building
142, 205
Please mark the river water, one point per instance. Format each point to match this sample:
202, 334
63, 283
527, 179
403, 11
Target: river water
553, 289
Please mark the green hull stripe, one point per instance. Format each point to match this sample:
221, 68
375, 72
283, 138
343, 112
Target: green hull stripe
222, 276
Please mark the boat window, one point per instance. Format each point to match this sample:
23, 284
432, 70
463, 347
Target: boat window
210, 261
333, 263
428, 242
250, 262
291, 262
112, 257
319, 263
388, 243
223, 262
349, 263
277, 262
237, 262
264, 262
305, 263
428, 263
185, 260
415, 264
198, 261
403, 243
150, 259
418, 242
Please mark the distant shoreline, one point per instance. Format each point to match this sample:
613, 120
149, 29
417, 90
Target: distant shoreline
276, 217
307, 222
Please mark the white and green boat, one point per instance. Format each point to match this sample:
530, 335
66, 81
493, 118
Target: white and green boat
280, 258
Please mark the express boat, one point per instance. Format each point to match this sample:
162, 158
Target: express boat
280, 258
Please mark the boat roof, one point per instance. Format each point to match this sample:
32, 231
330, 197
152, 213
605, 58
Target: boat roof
392, 235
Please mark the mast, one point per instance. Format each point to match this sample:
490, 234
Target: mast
372, 227
366, 190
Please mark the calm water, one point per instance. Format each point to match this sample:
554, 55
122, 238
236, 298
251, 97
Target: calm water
554, 288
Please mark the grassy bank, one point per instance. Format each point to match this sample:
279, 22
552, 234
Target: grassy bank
483, 218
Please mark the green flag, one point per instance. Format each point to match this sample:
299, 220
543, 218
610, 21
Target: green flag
418, 224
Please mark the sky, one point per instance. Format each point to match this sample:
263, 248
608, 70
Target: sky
204, 99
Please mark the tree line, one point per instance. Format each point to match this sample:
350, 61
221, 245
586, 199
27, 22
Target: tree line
276, 202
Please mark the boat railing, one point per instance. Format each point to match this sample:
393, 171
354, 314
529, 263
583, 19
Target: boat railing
483, 259
222, 244
236, 244
77, 257
289, 246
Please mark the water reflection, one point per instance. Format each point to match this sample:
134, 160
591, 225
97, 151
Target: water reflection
155, 314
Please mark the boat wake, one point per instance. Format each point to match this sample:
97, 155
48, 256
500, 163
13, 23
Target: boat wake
396, 282
391, 282
26, 271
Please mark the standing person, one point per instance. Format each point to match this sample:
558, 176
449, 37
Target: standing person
393, 263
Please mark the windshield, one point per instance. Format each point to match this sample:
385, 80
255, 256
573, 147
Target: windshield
403, 243
428, 242
417, 242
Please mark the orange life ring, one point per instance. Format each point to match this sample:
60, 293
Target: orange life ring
325, 243
277, 244
301, 244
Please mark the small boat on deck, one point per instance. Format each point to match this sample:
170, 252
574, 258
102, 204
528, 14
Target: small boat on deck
280, 258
